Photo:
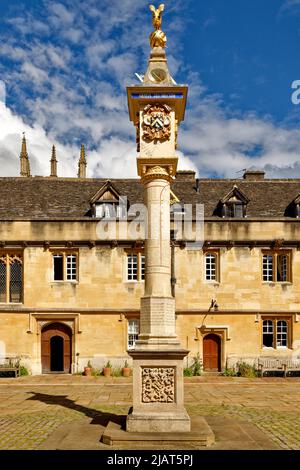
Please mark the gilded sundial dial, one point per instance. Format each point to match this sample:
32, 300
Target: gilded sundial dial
156, 123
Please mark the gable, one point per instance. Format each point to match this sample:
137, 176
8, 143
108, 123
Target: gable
107, 193
235, 195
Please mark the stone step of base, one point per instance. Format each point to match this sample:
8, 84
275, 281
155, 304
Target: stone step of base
200, 433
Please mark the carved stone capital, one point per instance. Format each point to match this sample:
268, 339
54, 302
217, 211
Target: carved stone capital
154, 173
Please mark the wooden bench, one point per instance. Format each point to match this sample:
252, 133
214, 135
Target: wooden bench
10, 364
278, 365
293, 365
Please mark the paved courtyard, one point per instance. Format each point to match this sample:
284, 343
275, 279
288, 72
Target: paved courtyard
71, 412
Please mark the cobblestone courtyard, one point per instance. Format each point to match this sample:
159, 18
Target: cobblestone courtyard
71, 412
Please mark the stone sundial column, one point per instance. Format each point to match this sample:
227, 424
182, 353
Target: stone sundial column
156, 108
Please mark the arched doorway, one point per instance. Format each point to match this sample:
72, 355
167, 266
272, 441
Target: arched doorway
56, 348
212, 353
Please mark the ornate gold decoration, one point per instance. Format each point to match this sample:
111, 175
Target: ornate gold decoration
158, 385
173, 198
156, 172
156, 123
157, 37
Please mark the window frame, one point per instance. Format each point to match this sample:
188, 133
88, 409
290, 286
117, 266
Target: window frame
137, 322
8, 258
111, 210
216, 253
229, 208
65, 254
140, 265
275, 321
275, 255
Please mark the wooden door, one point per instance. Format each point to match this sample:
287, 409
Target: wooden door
56, 348
211, 352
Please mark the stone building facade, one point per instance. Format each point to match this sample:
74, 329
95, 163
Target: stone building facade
68, 294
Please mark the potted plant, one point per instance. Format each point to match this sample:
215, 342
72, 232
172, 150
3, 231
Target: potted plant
88, 369
126, 369
107, 369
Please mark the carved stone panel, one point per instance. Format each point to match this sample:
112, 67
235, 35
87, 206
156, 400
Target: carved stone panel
158, 384
156, 123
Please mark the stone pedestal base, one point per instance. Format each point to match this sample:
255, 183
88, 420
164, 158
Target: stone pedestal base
158, 392
176, 421
201, 435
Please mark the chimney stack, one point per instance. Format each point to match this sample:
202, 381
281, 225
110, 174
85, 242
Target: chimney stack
254, 175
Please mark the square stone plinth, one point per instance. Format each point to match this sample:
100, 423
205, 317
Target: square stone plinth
200, 435
172, 421
158, 398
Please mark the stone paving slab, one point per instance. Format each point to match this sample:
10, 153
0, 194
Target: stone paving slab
44, 412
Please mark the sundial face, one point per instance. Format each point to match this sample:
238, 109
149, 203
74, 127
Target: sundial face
158, 75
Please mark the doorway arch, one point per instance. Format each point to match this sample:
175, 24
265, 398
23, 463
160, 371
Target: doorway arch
212, 353
56, 347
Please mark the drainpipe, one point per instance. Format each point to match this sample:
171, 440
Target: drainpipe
173, 278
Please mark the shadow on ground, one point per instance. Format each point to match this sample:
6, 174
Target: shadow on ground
98, 417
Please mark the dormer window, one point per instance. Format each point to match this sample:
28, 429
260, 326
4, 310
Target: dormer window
234, 209
110, 210
234, 204
107, 203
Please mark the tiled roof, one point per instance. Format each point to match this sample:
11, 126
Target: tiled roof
47, 198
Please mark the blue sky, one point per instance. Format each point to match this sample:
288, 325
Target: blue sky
66, 64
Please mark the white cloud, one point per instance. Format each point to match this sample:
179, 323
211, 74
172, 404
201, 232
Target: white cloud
61, 14
33, 73
114, 157
39, 146
79, 94
123, 66
220, 144
98, 51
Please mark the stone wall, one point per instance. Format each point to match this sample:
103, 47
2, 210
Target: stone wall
102, 296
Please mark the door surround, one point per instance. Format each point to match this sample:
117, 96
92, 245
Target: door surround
49, 331
220, 330
212, 352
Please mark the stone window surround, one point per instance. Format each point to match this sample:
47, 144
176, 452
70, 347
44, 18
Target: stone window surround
8, 257
275, 319
139, 253
215, 252
64, 253
275, 254
136, 320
